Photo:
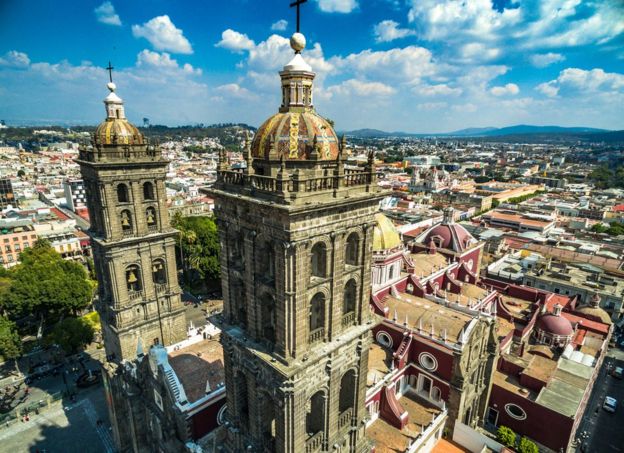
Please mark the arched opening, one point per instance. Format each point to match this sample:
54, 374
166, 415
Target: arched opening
241, 397
267, 407
150, 217
347, 391
148, 191
315, 416
239, 305
133, 278
122, 193
159, 274
317, 312
349, 300
266, 261
319, 260
267, 318
351, 251
126, 222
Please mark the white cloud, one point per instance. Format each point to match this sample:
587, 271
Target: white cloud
388, 30
437, 90
509, 89
428, 106
541, 60
147, 58
15, 59
580, 83
106, 14
361, 88
235, 41
163, 35
337, 6
280, 25
475, 52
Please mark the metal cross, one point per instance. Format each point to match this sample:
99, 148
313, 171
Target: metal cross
110, 71
298, 3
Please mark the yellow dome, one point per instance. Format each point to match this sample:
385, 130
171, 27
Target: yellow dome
116, 131
596, 312
385, 234
294, 134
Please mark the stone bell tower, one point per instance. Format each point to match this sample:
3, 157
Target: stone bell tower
133, 249
296, 232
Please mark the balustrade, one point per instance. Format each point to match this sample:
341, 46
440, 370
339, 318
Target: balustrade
317, 335
314, 442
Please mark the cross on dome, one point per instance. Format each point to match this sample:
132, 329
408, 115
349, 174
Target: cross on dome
298, 3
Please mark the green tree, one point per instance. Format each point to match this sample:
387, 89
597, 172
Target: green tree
44, 283
72, 334
527, 446
506, 436
10, 342
199, 242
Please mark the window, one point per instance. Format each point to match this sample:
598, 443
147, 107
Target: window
148, 191
267, 318
351, 251
427, 361
126, 221
317, 312
150, 217
9, 258
159, 275
7, 248
347, 391
384, 339
515, 411
318, 260
349, 297
15, 239
26, 245
122, 193
133, 278
315, 417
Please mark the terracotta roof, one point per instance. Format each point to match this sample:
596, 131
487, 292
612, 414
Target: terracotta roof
197, 364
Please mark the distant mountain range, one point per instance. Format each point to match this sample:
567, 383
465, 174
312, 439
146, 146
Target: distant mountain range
521, 129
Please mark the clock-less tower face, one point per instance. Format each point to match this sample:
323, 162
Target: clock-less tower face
296, 237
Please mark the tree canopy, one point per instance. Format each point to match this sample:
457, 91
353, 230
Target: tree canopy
44, 282
72, 334
10, 344
199, 241
605, 177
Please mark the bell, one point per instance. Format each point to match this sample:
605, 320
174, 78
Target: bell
150, 217
125, 222
132, 277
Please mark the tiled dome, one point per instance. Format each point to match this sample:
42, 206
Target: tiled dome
293, 135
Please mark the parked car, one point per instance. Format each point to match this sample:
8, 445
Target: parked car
618, 372
610, 404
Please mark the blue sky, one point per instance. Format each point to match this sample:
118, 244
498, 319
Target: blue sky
410, 65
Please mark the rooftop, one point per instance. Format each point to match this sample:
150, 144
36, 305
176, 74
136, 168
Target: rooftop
198, 364
425, 264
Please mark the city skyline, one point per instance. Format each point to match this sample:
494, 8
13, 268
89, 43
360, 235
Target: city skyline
411, 66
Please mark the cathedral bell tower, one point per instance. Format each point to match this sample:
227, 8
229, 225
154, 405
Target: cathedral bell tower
133, 248
296, 233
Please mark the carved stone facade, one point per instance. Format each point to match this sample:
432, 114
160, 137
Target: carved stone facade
296, 240
134, 253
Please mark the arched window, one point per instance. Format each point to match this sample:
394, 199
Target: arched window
391, 272
351, 250
319, 260
150, 217
122, 193
317, 312
148, 191
133, 278
268, 416
241, 398
347, 391
267, 318
315, 417
159, 274
266, 261
126, 221
348, 303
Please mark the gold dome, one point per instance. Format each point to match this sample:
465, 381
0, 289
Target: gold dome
115, 131
385, 234
597, 313
294, 134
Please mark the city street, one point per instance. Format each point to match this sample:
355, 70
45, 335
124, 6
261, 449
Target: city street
604, 429
66, 427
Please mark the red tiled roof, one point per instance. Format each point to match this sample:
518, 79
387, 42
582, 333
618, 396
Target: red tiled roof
58, 213
618, 208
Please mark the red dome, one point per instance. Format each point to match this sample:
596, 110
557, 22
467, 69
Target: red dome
449, 236
555, 325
